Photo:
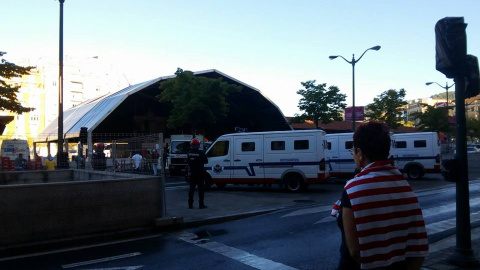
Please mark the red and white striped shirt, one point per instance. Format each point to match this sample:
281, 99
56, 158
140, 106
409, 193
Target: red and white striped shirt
388, 217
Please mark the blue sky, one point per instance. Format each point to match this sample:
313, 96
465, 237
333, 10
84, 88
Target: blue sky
270, 45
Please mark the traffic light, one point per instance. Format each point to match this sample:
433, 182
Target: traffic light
472, 77
451, 46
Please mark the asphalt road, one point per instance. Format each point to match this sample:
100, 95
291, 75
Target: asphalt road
299, 237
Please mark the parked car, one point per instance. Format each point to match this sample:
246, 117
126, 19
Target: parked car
470, 150
476, 146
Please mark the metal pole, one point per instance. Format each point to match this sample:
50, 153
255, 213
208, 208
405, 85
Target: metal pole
162, 179
463, 255
446, 88
353, 92
60, 93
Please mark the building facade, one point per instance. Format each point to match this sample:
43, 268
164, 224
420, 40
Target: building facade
84, 78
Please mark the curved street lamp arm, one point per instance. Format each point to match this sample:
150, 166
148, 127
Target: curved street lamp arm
440, 85
446, 87
345, 59
366, 51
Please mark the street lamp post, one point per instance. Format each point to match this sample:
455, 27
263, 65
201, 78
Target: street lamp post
60, 157
353, 62
446, 87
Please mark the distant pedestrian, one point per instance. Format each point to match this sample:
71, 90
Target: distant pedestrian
50, 163
20, 163
379, 215
166, 150
137, 159
154, 161
196, 173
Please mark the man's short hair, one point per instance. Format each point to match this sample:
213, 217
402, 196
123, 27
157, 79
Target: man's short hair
374, 139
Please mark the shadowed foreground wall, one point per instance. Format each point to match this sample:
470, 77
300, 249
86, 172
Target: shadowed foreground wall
31, 213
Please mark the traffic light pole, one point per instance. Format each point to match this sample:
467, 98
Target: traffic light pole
463, 255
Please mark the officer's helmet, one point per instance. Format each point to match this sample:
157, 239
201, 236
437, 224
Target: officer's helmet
195, 143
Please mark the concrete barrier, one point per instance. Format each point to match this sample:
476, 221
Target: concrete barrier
48, 205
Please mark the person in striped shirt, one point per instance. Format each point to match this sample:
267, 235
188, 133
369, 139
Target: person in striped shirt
379, 215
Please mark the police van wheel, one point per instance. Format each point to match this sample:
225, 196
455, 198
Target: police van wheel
414, 172
208, 182
295, 183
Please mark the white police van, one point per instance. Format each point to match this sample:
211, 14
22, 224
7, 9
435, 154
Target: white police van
413, 153
293, 158
417, 153
339, 159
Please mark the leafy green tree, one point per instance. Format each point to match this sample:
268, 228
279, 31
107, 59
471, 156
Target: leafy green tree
473, 128
8, 92
197, 102
320, 103
387, 108
433, 119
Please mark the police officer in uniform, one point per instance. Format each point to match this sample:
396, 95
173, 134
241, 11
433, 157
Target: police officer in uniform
196, 174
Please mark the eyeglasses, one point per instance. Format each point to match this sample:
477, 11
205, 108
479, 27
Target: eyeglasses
351, 150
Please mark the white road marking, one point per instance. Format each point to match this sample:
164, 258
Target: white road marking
474, 186
101, 260
446, 208
326, 219
235, 254
79, 247
312, 210
426, 212
449, 223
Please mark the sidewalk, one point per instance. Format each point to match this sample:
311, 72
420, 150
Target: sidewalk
247, 203
442, 251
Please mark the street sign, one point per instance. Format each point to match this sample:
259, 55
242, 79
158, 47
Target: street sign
359, 113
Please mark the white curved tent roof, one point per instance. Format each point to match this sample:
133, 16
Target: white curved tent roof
92, 112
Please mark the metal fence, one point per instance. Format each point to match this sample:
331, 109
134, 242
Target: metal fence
112, 152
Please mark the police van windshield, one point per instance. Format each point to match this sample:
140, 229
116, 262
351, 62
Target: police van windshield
180, 147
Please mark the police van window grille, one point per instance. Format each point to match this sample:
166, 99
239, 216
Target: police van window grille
277, 145
420, 144
301, 145
348, 144
400, 144
248, 147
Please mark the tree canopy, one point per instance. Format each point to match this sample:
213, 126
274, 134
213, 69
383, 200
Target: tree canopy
319, 103
387, 107
197, 102
433, 119
473, 127
8, 91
